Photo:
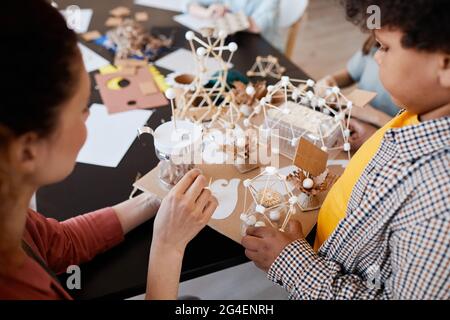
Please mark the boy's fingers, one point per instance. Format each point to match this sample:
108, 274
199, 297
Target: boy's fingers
250, 243
183, 185
259, 232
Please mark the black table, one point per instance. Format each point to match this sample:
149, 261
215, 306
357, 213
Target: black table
122, 271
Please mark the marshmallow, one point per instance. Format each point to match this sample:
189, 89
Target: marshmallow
260, 209
250, 90
260, 224
251, 220
274, 215
346, 146
308, 183
271, 170
189, 35
170, 94
232, 46
201, 51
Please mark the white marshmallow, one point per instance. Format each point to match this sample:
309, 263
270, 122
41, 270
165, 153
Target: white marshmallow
170, 94
250, 90
271, 170
251, 220
201, 51
189, 35
260, 224
232, 46
274, 215
346, 146
310, 83
308, 183
260, 209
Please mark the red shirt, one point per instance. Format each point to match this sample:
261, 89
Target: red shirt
59, 244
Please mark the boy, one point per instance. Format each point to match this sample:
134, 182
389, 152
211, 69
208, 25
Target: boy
394, 240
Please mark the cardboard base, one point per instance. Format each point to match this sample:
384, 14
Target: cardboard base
231, 226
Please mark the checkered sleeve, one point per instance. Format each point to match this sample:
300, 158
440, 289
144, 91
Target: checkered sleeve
421, 260
420, 268
307, 275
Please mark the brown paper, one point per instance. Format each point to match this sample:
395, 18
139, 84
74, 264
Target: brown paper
310, 158
361, 98
231, 226
120, 11
148, 88
141, 16
129, 97
113, 22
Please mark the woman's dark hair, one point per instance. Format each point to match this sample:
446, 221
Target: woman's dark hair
39, 60
425, 23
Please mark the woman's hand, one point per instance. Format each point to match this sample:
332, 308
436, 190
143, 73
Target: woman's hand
216, 10
184, 212
360, 132
264, 244
133, 212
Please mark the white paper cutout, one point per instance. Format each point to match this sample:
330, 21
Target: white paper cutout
226, 193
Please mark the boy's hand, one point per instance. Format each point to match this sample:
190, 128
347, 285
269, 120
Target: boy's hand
360, 132
263, 245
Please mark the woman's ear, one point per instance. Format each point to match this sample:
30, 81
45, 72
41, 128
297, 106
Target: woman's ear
25, 152
444, 72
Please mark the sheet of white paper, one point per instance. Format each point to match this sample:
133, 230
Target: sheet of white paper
226, 193
92, 61
183, 61
193, 23
173, 5
110, 135
78, 20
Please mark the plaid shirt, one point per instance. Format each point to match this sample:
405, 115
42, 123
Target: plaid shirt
394, 241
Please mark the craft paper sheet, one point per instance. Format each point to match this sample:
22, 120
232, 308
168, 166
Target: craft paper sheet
78, 20
172, 5
92, 61
183, 61
110, 135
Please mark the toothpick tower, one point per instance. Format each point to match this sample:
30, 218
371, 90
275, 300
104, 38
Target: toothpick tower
270, 199
198, 95
330, 112
266, 66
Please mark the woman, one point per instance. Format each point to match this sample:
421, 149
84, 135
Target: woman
42, 129
262, 15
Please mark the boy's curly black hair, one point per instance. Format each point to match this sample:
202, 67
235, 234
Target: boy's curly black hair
425, 23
